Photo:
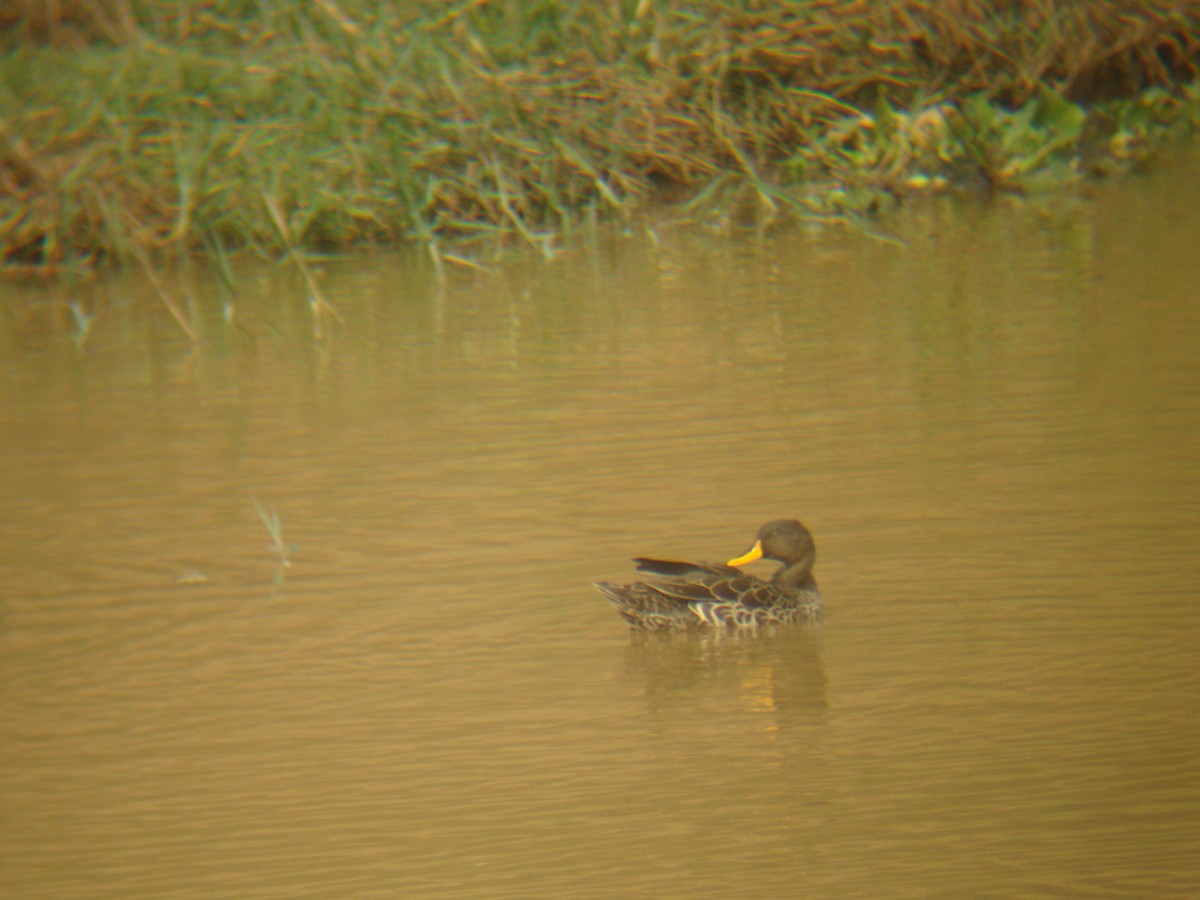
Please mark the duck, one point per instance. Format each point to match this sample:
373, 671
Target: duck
694, 595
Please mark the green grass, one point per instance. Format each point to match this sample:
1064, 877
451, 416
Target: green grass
284, 127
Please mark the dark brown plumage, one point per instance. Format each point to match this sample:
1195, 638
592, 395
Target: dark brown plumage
696, 594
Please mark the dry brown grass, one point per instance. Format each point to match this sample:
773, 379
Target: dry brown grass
377, 121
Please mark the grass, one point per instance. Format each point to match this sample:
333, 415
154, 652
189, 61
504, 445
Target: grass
274, 526
140, 130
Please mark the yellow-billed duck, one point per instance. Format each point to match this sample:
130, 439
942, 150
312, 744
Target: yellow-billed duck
697, 594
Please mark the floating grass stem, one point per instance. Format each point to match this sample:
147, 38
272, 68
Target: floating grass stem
321, 307
83, 323
274, 526
189, 329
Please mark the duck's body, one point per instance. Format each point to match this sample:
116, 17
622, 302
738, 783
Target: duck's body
698, 594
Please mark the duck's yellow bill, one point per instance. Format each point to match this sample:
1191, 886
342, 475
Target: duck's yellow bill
750, 556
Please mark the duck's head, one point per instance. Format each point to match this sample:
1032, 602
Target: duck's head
785, 540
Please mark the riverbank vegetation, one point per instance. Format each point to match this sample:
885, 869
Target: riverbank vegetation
142, 129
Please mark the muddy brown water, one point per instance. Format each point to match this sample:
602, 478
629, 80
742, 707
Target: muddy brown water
994, 434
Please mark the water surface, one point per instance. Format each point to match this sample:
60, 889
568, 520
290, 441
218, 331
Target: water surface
993, 433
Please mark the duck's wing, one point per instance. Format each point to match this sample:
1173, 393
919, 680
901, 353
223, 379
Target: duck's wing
642, 606
673, 569
731, 588
763, 594
715, 584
